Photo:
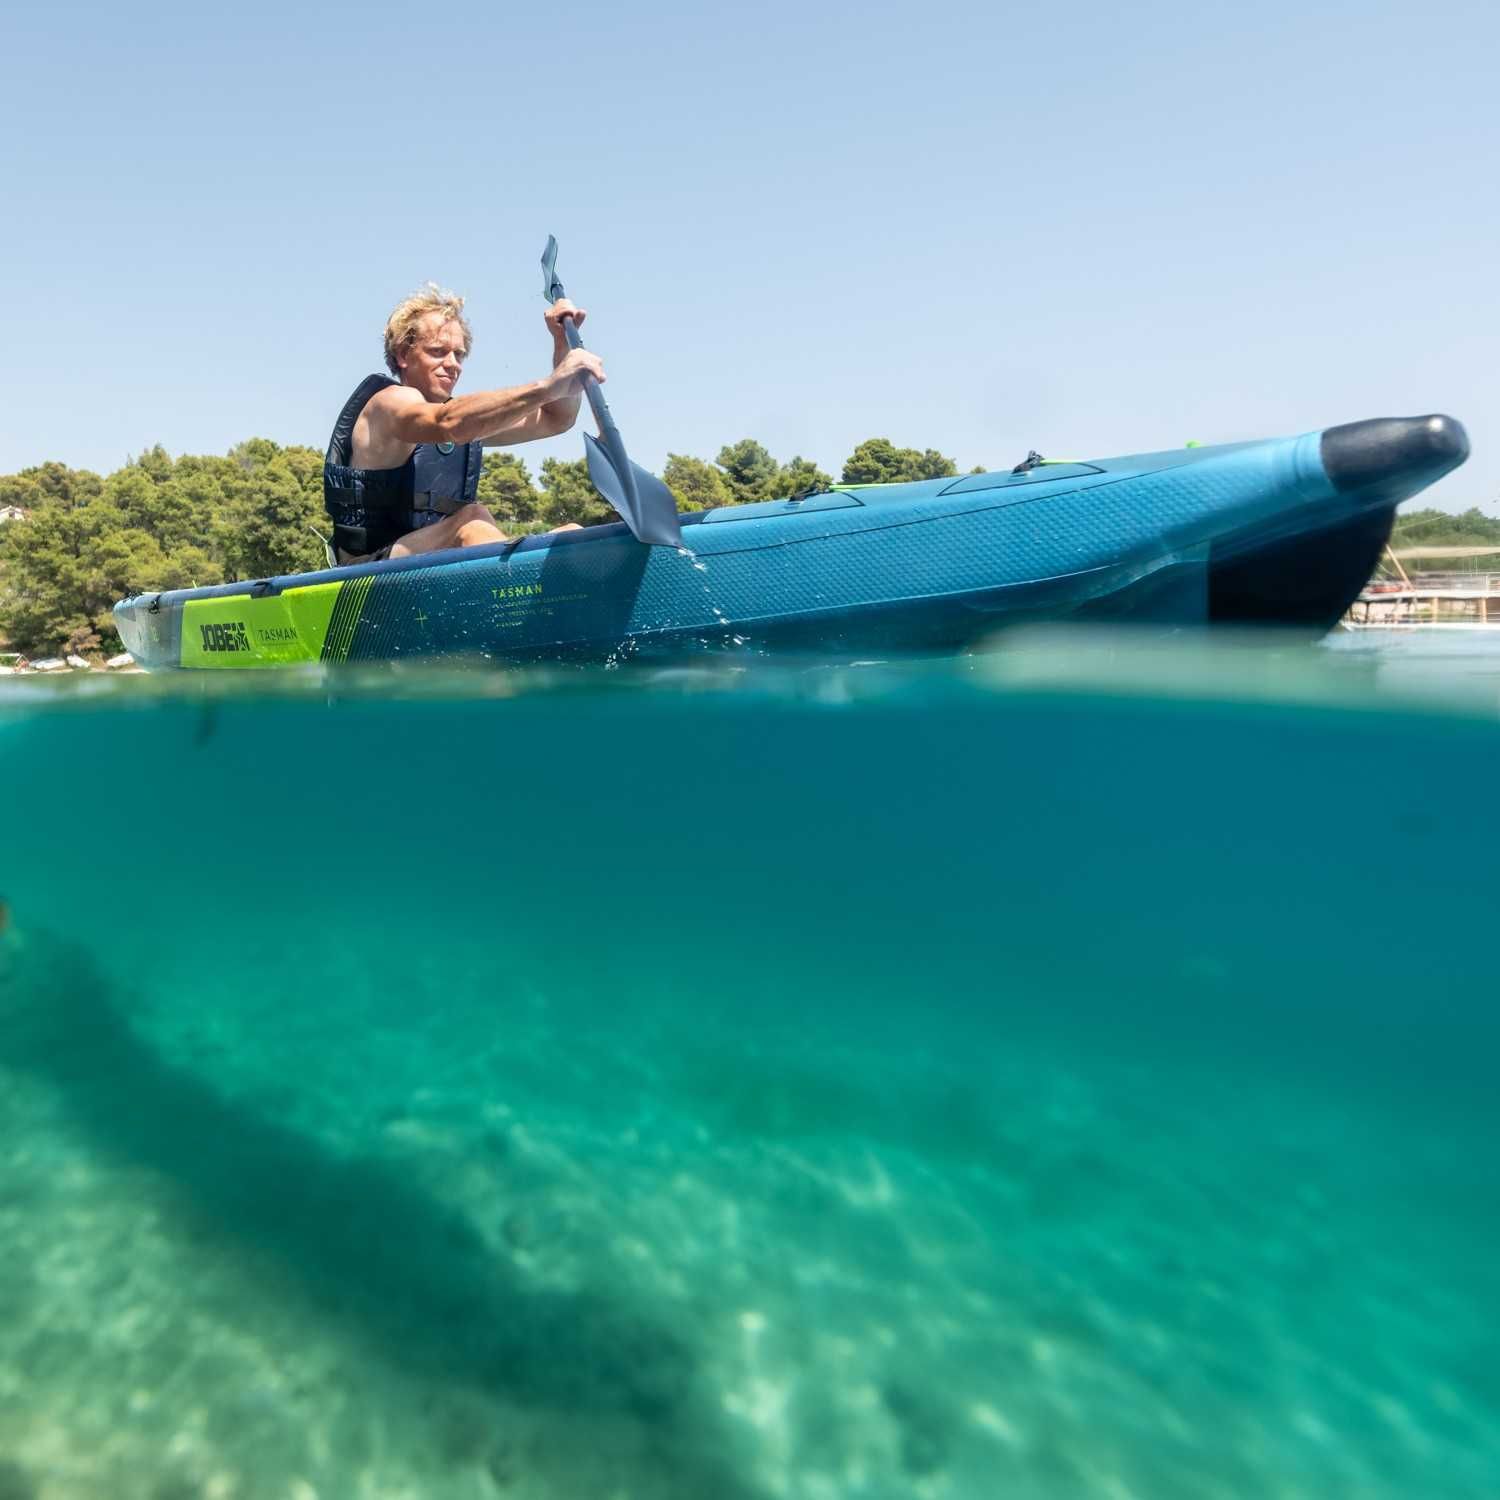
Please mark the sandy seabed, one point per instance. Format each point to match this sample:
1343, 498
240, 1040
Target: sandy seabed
398, 1240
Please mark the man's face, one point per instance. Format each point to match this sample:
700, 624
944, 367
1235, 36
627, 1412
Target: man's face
434, 359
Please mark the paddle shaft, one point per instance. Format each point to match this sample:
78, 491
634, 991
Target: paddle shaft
590, 385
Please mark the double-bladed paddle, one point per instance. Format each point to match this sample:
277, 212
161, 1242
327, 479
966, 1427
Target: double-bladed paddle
645, 504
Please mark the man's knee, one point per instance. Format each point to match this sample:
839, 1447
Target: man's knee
476, 526
473, 511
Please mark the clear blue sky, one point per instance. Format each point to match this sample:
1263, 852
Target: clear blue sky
1086, 228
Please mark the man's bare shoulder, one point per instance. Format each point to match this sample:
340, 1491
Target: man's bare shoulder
377, 445
393, 398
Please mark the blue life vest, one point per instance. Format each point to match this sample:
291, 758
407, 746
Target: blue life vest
371, 508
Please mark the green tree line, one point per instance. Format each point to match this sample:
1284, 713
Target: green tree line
165, 523
1439, 528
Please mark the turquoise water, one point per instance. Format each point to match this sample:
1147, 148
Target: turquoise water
1064, 1073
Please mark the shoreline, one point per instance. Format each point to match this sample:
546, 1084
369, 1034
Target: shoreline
20, 665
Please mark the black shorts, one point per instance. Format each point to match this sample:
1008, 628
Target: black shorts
348, 559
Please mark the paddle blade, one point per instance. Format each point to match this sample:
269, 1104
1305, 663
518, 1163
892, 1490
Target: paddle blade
551, 286
657, 500
644, 503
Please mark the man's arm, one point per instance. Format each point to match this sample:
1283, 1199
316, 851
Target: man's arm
401, 416
560, 412
546, 421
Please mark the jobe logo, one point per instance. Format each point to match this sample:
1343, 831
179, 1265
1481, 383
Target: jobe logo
230, 636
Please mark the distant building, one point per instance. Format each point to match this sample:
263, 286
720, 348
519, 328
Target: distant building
13, 513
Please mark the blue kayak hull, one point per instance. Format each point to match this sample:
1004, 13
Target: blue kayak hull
1253, 531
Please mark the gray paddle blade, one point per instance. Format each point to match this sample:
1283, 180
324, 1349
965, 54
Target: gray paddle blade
643, 502
551, 287
656, 498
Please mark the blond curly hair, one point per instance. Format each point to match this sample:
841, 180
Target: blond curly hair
401, 326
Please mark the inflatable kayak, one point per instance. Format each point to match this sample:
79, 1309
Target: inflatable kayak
1282, 531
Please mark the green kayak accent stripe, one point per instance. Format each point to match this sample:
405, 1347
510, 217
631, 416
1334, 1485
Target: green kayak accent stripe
346, 612
243, 630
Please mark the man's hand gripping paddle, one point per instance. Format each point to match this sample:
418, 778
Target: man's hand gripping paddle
645, 504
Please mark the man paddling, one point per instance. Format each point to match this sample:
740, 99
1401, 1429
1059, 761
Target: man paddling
402, 471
